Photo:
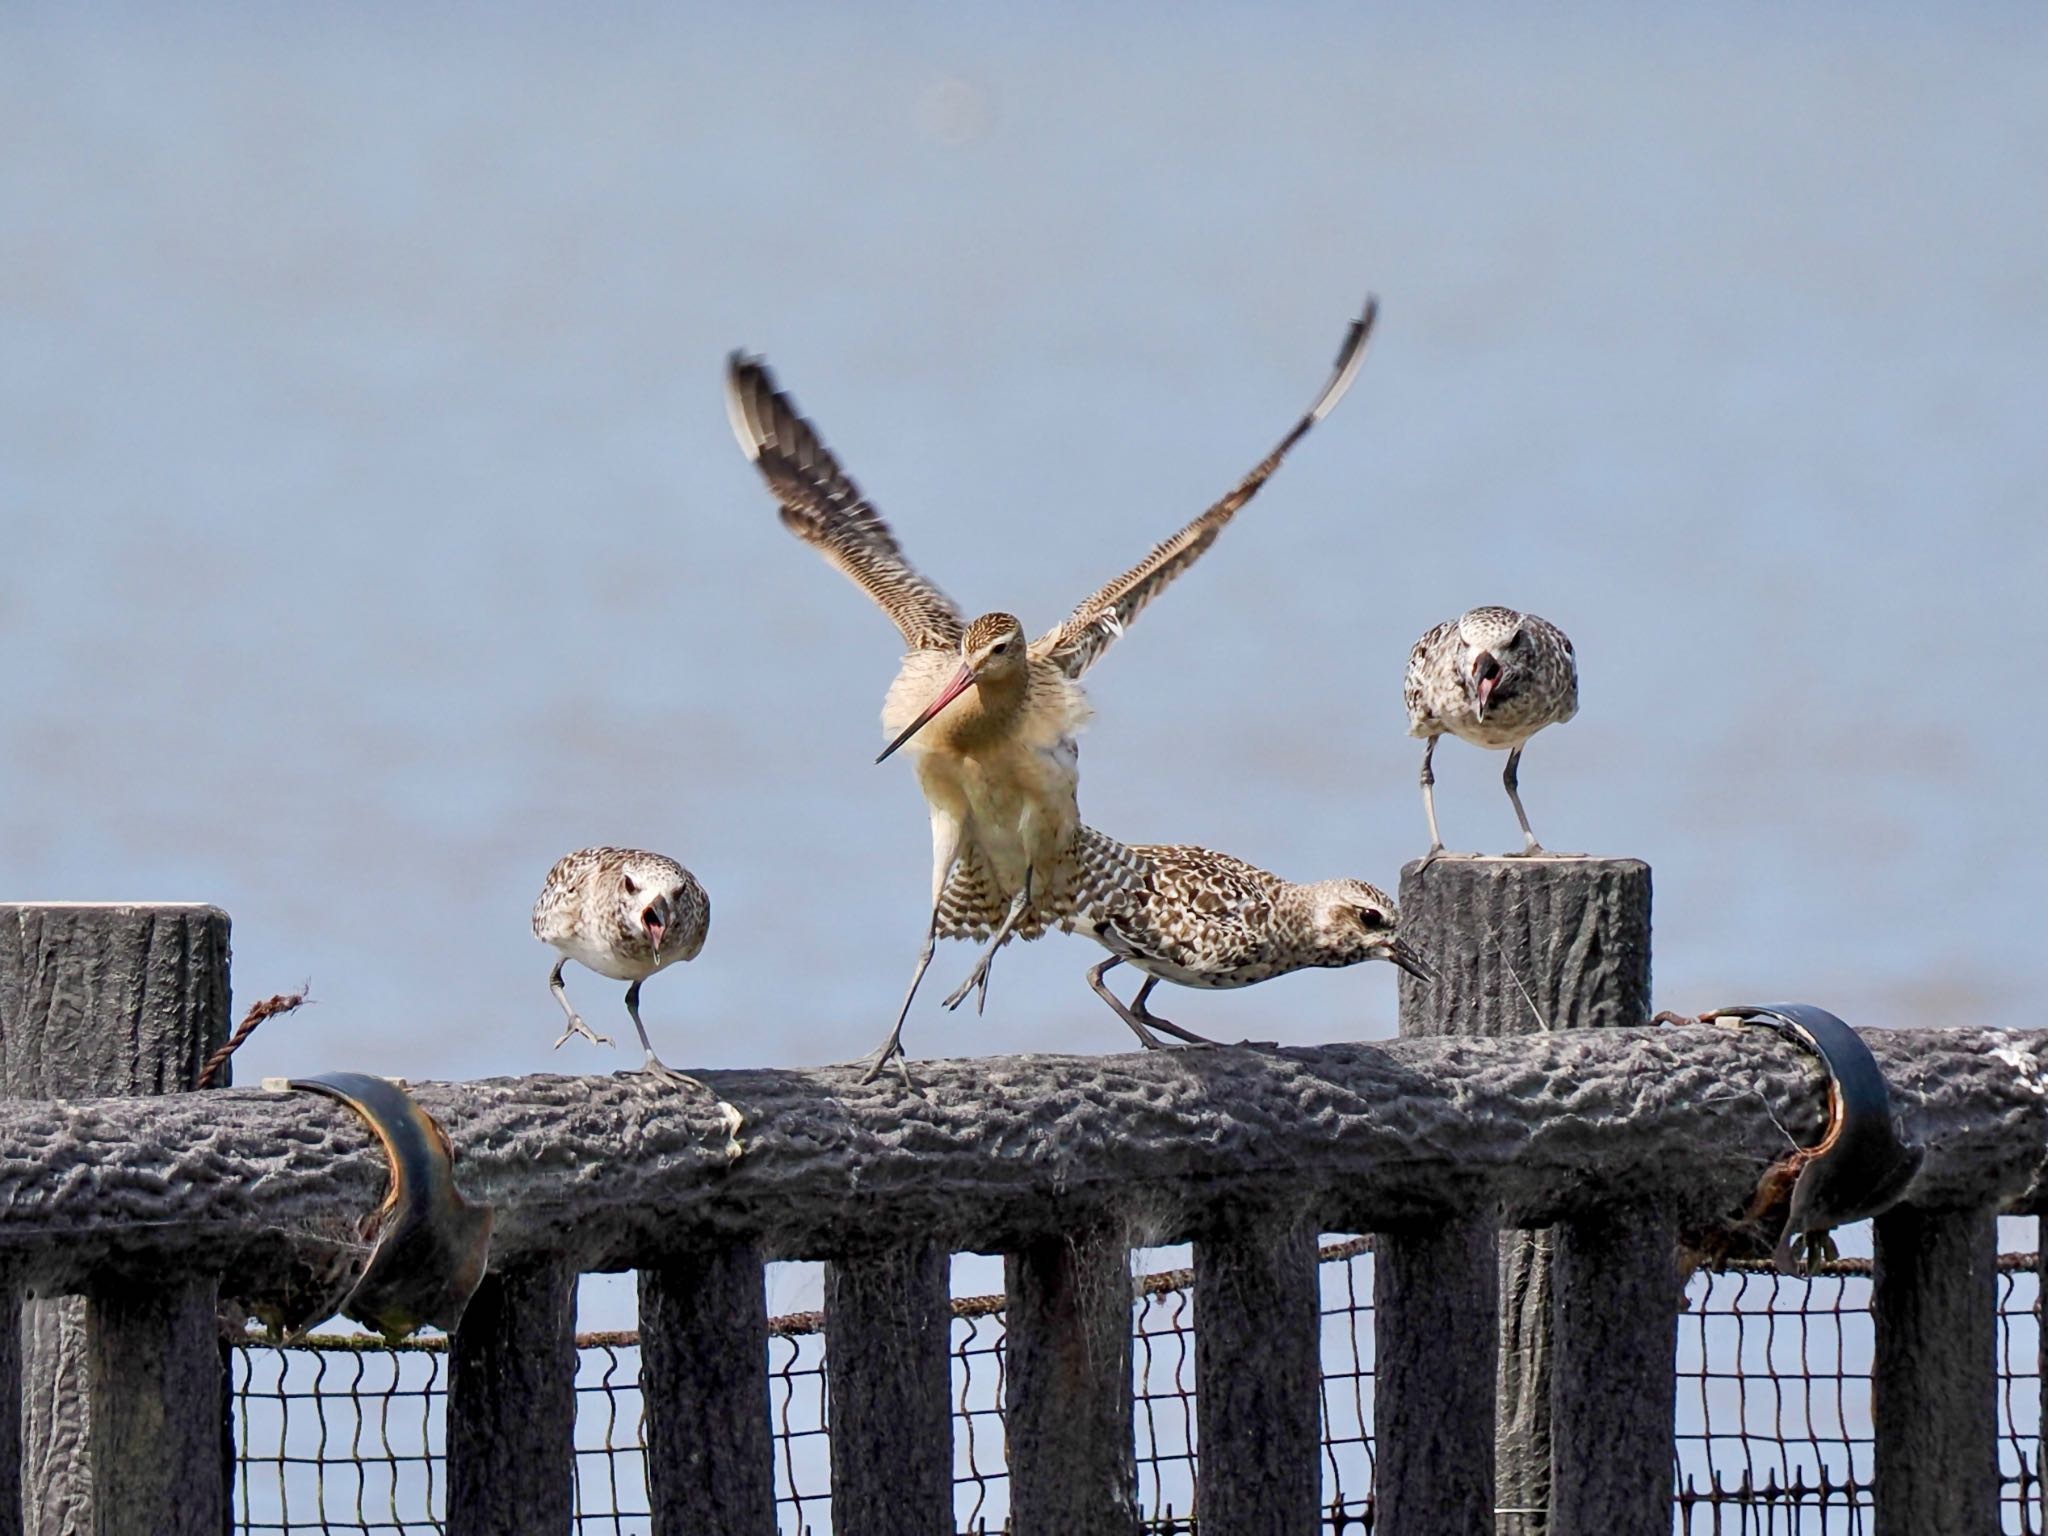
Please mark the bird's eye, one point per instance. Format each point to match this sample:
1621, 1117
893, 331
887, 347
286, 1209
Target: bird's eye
1371, 917
1000, 646
632, 885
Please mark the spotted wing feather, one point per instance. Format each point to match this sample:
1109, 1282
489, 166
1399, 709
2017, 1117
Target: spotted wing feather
1074, 646
1099, 873
1415, 686
822, 506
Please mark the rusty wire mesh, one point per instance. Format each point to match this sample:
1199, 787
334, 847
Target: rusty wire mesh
1774, 1430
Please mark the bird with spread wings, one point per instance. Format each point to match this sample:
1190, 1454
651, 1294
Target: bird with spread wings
989, 717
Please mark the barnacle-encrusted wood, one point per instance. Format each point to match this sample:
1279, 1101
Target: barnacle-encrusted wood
614, 1172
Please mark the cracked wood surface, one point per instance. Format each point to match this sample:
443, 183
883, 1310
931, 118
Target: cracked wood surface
1003, 1151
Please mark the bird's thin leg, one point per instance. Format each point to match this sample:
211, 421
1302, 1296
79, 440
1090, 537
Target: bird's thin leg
892, 1046
1508, 777
946, 837
978, 977
1138, 1007
1436, 841
1146, 1038
654, 1066
576, 1024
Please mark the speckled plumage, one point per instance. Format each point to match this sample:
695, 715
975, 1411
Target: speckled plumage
623, 913
989, 719
1493, 677
1194, 917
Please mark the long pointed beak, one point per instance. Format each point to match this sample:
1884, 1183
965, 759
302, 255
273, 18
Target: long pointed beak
962, 681
1409, 959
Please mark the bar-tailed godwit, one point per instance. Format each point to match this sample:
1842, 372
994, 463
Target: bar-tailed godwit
990, 718
1494, 677
626, 914
1196, 918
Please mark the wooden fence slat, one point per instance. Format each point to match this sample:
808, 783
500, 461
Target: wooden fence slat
10, 1404
1614, 1385
1435, 1340
98, 999
1934, 1383
704, 1380
158, 1406
512, 1404
1067, 1374
888, 1341
1526, 946
1258, 1379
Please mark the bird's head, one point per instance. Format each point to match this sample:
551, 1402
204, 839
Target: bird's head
992, 654
652, 907
1355, 921
1493, 655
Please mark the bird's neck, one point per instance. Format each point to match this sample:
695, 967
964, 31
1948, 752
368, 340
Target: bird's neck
986, 712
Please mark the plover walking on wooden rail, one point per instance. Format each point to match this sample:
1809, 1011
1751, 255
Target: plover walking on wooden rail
1196, 918
626, 914
1494, 677
989, 718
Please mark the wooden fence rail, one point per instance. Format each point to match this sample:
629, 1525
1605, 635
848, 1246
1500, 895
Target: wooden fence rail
1614, 1137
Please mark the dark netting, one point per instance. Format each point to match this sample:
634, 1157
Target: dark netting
1774, 1429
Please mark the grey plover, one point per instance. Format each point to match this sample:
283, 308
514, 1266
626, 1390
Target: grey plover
624, 913
1196, 918
1493, 677
989, 717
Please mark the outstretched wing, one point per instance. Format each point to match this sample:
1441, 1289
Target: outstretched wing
1088, 631
1096, 873
822, 506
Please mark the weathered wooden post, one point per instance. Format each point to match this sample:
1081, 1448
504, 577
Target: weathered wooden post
121, 1393
704, 1378
512, 1404
1067, 1375
1934, 1381
1523, 946
1258, 1375
888, 1355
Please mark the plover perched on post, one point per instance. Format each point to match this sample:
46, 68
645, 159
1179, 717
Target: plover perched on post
1196, 918
989, 717
1494, 677
626, 914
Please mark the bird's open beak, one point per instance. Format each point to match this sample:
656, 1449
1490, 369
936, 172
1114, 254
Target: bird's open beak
962, 681
1406, 956
655, 929
1486, 672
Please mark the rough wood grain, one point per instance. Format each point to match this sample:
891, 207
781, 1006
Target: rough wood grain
512, 1404
1526, 946
158, 1407
10, 1405
95, 999
1018, 1149
703, 1377
1258, 1378
1934, 1380
1434, 1340
1067, 1386
888, 1338
1613, 1391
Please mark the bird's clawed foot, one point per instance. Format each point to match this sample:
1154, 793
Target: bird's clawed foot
1536, 850
876, 1062
578, 1027
657, 1070
977, 981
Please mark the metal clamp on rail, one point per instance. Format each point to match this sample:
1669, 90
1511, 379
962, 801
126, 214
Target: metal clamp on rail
428, 1245
1861, 1165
